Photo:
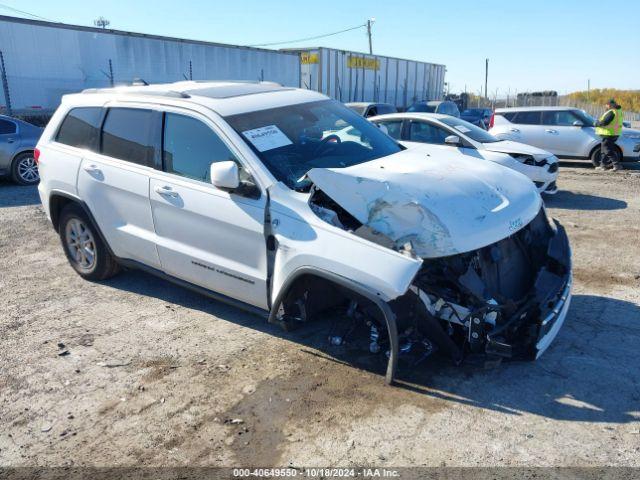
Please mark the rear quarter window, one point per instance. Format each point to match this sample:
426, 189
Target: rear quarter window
81, 128
527, 118
508, 115
7, 127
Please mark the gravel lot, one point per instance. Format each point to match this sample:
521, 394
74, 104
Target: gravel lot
156, 375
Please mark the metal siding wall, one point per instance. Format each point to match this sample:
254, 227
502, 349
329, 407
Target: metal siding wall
43, 62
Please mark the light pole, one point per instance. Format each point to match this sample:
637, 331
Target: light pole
486, 76
370, 22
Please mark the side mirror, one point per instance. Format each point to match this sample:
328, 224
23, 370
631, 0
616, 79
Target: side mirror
225, 175
626, 124
578, 123
452, 140
383, 128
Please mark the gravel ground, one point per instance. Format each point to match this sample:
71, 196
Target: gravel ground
136, 371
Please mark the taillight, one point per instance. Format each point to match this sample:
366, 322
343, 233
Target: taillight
491, 120
36, 155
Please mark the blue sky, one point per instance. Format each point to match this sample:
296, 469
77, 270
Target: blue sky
532, 45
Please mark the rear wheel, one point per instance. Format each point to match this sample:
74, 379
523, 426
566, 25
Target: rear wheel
24, 169
86, 252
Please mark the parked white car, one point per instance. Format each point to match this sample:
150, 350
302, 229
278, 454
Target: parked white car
455, 134
566, 132
243, 192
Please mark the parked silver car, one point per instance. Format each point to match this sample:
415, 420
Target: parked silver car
564, 131
18, 141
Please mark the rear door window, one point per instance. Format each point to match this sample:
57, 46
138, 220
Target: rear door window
527, 118
510, 116
81, 128
427, 133
190, 147
127, 135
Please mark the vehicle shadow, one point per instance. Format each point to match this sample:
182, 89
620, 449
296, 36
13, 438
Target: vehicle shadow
17, 195
567, 200
589, 374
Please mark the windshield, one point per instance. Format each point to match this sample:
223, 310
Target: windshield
469, 130
292, 140
422, 107
585, 118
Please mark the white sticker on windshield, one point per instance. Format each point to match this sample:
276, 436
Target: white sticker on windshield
267, 138
462, 128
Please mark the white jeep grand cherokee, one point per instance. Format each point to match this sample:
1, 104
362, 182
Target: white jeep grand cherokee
244, 192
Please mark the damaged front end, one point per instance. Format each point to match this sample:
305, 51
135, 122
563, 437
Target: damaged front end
506, 299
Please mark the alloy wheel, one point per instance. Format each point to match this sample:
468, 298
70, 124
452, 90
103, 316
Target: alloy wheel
28, 169
80, 243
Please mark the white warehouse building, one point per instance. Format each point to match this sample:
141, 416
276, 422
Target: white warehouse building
45, 60
41, 61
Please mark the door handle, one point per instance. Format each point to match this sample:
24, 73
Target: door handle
91, 169
549, 130
11, 140
165, 190
514, 130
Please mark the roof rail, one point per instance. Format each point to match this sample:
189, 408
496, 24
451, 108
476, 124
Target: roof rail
152, 93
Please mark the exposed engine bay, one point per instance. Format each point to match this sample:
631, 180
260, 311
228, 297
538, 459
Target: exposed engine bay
502, 300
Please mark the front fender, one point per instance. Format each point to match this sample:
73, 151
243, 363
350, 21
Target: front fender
330, 249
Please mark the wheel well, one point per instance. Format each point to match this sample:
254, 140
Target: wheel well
28, 150
310, 295
598, 146
56, 204
326, 282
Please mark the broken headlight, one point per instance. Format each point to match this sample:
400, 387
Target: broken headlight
523, 158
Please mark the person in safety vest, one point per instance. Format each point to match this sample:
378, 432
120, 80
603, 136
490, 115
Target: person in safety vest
609, 127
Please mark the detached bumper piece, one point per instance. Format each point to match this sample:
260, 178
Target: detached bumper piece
506, 300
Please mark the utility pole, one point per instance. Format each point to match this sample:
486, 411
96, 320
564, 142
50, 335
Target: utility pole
5, 86
370, 22
589, 90
486, 76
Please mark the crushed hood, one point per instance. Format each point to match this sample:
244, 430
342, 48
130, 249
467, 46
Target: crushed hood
508, 146
441, 204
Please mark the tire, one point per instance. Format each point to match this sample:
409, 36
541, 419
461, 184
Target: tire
24, 170
83, 246
595, 156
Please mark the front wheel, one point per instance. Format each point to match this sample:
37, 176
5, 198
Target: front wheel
596, 156
24, 169
85, 250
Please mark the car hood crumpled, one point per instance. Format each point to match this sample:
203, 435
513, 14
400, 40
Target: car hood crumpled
508, 146
436, 204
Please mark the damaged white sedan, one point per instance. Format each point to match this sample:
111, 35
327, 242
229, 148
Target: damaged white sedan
248, 193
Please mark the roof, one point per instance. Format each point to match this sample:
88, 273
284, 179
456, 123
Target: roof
364, 104
412, 115
534, 109
224, 97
